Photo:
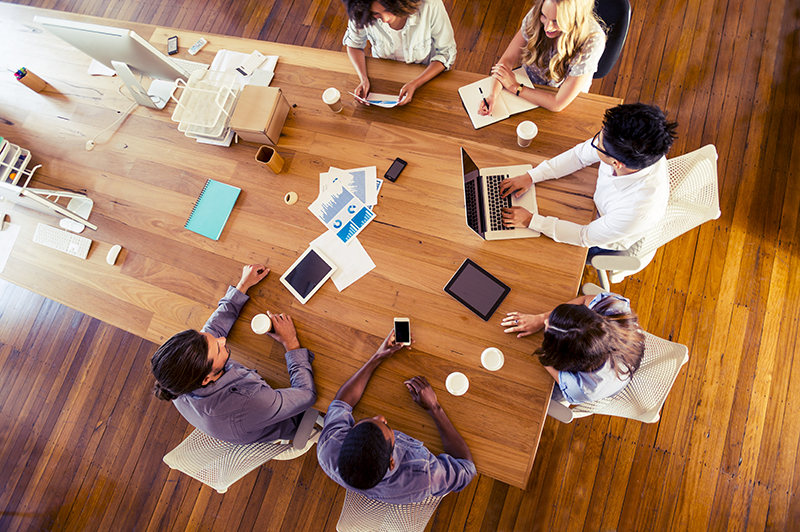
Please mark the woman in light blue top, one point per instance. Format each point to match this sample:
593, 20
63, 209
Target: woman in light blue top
559, 44
591, 346
412, 31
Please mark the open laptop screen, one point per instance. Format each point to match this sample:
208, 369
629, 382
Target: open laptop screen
473, 195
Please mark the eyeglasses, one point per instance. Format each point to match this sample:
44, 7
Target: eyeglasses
598, 148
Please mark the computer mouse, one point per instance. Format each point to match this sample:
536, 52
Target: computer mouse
113, 253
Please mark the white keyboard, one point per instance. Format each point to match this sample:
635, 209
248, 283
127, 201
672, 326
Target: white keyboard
61, 240
189, 66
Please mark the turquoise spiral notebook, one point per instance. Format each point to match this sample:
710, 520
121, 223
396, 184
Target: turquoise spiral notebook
212, 209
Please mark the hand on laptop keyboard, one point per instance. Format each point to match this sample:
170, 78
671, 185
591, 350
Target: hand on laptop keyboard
518, 185
516, 217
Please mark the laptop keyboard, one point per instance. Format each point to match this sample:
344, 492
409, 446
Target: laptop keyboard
496, 203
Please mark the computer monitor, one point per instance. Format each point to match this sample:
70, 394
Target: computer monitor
124, 51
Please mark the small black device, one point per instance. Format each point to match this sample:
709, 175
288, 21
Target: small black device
394, 171
477, 289
402, 331
172, 45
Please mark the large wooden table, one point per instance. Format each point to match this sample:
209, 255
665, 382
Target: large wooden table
145, 178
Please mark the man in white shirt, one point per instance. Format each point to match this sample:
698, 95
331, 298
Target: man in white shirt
632, 180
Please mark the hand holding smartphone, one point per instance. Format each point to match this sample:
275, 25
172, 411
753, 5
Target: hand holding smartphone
402, 331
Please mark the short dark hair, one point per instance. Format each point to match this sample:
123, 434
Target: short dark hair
637, 135
364, 456
180, 365
581, 339
360, 11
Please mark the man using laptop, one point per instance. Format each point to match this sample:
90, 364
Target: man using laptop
380, 463
632, 182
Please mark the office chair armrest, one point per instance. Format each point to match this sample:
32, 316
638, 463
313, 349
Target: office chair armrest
560, 412
304, 429
617, 263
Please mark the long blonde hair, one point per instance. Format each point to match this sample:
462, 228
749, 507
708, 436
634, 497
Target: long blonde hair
575, 19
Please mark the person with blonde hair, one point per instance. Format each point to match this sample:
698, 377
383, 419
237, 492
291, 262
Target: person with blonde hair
559, 44
592, 345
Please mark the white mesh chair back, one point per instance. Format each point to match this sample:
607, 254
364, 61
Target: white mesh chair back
644, 396
217, 463
361, 514
693, 199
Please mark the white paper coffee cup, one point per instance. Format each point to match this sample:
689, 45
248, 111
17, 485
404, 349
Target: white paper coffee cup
261, 324
457, 383
333, 99
525, 132
492, 359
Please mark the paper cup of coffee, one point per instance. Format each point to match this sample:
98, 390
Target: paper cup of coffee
457, 383
333, 99
261, 324
525, 132
492, 358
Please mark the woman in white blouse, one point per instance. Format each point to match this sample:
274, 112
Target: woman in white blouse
412, 31
560, 44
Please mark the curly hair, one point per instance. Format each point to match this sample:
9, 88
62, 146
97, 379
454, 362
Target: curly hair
180, 365
360, 11
553, 57
581, 339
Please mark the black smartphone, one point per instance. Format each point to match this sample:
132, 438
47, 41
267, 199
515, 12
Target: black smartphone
394, 171
172, 45
402, 331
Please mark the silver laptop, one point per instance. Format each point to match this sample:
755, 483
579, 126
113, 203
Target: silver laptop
484, 205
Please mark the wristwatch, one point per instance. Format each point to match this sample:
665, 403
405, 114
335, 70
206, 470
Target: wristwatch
519, 89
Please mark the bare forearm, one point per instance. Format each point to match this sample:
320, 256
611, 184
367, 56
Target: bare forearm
452, 442
352, 390
359, 61
434, 69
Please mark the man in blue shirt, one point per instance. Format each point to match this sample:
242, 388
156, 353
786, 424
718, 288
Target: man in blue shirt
223, 398
379, 463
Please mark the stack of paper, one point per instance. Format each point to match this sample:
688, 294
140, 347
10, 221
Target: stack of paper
344, 206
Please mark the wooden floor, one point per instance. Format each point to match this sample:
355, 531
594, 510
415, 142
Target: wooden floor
83, 437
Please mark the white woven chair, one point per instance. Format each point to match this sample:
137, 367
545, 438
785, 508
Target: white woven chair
693, 200
644, 396
362, 514
219, 464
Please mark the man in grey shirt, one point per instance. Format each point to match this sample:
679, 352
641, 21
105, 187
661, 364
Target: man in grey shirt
221, 397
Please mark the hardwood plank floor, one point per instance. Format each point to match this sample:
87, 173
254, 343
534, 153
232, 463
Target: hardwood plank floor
84, 438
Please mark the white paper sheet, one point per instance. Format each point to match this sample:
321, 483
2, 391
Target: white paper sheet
7, 239
228, 60
360, 181
351, 259
341, 212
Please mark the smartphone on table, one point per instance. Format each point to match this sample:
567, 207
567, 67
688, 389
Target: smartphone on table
172, 45
402, 331
394, 171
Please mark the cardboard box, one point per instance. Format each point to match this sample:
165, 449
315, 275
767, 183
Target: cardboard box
260, 114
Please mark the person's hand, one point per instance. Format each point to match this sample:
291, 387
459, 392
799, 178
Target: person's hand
518, 185
251, 274
516, 217
422, 393
503, 74
407, 92
389, 347
362, 91
524, 324
283, 330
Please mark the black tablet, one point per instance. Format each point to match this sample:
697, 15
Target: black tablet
477, 289
307, 274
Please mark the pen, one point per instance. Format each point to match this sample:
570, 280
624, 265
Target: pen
484, 98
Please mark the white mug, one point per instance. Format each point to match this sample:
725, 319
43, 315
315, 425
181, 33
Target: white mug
457, 383
261, 324
492, 358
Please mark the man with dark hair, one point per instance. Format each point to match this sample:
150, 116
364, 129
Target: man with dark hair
632, 180
221, 397
370, 458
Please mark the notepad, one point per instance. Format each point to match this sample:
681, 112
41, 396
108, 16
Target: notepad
508, 104
212, 209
